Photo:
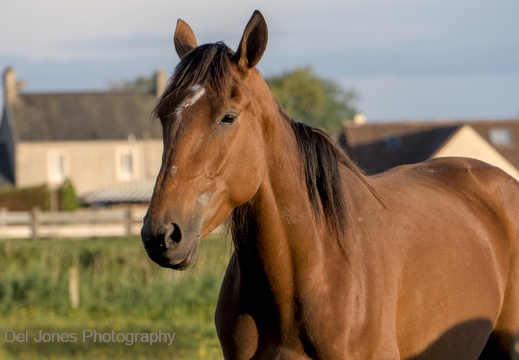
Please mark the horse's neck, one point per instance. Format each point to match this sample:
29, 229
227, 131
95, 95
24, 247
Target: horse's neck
283, 248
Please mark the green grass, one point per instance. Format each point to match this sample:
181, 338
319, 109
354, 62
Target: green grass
121, 290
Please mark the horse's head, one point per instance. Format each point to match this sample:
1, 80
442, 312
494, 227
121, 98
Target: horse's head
212, 160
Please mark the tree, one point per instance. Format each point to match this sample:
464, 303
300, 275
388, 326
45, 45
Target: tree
142, 82
319, 102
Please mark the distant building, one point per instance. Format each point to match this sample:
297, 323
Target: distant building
99, 140
377, 147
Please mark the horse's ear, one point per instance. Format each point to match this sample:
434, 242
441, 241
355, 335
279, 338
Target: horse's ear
185, 39
253, 43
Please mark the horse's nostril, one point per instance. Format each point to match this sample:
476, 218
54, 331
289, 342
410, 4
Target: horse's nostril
172, 236
176, 236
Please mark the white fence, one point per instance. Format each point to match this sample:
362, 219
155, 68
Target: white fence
80, 223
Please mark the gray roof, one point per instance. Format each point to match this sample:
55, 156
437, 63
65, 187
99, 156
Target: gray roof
6, 149
377, 147
4, 181
112, 115
130, 192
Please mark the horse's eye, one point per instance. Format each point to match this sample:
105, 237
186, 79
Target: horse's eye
228, 119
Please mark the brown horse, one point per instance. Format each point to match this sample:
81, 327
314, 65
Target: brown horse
420, 262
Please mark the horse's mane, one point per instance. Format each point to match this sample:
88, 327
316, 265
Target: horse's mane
320, 157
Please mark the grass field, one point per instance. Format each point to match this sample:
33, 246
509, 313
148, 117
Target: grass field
121, 292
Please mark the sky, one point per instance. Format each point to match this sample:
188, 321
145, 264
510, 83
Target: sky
406, 59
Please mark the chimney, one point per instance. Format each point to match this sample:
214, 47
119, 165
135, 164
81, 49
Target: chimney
360, 119
161, 79
11, 86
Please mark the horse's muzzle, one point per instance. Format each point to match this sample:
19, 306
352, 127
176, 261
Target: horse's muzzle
168, 246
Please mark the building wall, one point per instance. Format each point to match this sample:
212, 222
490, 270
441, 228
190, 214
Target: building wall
88, 164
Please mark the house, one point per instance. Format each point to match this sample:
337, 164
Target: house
99, 140
377, 147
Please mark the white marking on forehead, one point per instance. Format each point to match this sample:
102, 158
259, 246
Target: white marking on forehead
195, 88
172, 170
197, 91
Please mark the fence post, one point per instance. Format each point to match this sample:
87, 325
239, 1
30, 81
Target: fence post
35, 222
128, 219
3, 222
73, 281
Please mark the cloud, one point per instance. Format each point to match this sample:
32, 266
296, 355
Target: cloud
85, 45
137, 45
344, 37
441, 97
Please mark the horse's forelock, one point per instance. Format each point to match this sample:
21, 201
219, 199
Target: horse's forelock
206, 65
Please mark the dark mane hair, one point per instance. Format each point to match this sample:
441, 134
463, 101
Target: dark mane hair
207, 64
323, 182
320, 157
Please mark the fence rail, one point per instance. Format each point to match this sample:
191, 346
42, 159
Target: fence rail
80, 223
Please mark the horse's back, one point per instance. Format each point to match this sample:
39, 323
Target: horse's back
463, 266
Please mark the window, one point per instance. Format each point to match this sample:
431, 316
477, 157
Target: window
500, 136
392, 142
127, 164
57, 167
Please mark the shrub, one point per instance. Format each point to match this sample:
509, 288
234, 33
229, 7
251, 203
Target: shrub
25, 199
67, 197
